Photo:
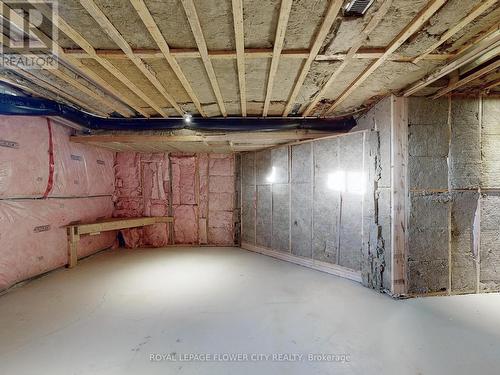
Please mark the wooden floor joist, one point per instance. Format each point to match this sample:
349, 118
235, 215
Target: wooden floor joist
156, 34
473, 14
462, 82
194, 22
374, 21
488, 41
115, 35
279, 39
73, 62
328, 20
240, 52
418, 21
367, 53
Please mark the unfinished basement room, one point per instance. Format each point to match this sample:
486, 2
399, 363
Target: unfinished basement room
250, 187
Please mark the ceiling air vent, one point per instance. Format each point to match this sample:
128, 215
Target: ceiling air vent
357, 8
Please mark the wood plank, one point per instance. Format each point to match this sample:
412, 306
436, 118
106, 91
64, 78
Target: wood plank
156, 34
74, 62
399, 193
58, 92
115, 35
73, 240
194, 22
240, 52
332, 269
462, 82
328, 20
279, 39
115, 224
474, 13
418, 21
488, 41
374, 21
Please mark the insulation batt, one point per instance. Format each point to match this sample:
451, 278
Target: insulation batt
33, 238
38, 160
198, 187
79, 170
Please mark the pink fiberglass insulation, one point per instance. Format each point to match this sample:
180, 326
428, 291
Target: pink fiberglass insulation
34, 239
201, 192
142, 182
24, 158
78, 170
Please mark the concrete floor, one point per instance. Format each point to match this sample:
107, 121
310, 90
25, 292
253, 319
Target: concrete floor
116, 309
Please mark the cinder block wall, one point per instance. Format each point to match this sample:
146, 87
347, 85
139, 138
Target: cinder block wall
454, 183
290, 211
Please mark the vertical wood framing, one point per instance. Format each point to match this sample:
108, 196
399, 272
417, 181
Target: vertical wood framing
286, 6
73, 239
240, 51
194, 22
399, 193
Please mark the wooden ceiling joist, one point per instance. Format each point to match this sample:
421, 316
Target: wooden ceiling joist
70, 60
462, 82
488, 41
418, 21
156, 34
492, 85
374, 21
58, 92
194, 22
328, 20
369, 53
286, 6
240, 52
115, 35
474, 13
18, 21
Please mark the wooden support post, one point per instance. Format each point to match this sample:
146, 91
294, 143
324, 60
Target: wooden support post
73, 239
399, 193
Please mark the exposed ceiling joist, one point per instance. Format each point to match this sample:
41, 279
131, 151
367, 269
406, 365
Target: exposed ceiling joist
492, 85
115, 35
279, 39
474, 13
18, 21
462, 82
74, 62
489, 41
369, 53
328, 20
240, 51
49, 87
156, 34
374, 21
194, 22
418, 21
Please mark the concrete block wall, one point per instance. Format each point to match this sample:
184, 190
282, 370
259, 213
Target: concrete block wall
289, 206
454, 184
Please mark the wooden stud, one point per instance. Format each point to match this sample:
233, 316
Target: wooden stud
462, 82
73, 239
374, 21
487, 42
474, 13
399, 193
286, 6
115, 35
240, 51
194, 22
418, 21
156, 34
328, 20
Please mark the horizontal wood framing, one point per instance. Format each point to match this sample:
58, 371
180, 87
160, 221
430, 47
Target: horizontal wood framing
332, 269
115, 224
